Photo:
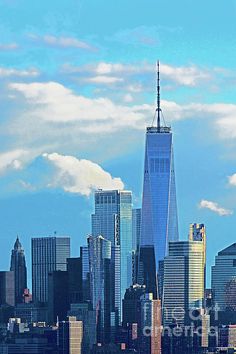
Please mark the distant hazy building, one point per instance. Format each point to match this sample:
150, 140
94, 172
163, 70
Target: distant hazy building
7, 288
30, 312
113, 220
18, 266
183, 281
223, 272
48, 254
70, 336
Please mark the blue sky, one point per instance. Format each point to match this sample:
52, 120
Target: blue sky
77, 88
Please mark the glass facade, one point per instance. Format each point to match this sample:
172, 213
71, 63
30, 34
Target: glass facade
136, 228
113, 220
159, 208
183, 280
223, 272
100, 284
48, 254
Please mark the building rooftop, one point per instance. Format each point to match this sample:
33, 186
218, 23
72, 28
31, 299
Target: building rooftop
231, 250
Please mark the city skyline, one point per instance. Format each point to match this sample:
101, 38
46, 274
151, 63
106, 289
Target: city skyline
113, 66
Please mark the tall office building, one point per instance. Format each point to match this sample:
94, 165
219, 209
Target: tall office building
147, 270
197, 232
113, 220
183, 281
223, 272
84, 312
159, 208
75, 283
48, 254
70, 336
18, 266
100, 285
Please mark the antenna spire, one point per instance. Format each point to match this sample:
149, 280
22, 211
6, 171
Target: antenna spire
158, 96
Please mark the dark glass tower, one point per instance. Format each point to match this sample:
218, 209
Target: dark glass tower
159, 208
18, 266
48, 254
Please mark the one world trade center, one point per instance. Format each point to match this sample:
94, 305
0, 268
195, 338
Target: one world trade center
159, 223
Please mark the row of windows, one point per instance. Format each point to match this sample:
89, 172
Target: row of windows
159, 165
105, 199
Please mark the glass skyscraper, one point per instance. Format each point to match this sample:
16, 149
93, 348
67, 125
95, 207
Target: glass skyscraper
184, 276
48, 254
159, 208
223, 273
100, 284
113, 220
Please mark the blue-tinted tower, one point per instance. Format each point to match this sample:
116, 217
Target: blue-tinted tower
113, 220
159, 223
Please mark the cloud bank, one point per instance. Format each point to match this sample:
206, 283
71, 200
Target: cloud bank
206, 204
80, 176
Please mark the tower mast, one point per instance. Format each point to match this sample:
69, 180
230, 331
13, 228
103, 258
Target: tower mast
158, 97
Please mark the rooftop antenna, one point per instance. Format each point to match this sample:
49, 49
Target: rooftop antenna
158, 97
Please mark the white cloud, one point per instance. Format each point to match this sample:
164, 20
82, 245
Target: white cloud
185, 75
8, 46
102, 79
80, 176
182, 75
12, 160
67, 121
62, 42
206, 204
53, 102
7, 72
232, 179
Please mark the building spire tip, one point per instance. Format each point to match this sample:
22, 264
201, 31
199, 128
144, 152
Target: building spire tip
158, 96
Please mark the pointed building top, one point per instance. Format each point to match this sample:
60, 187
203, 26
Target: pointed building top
17, 245
158, 109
